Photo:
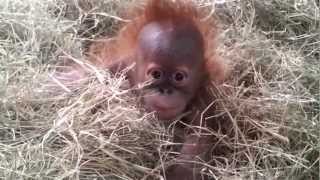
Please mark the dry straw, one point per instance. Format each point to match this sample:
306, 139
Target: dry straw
93, 128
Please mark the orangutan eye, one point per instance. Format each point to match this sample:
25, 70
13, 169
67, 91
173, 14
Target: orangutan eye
179, 76
156, 74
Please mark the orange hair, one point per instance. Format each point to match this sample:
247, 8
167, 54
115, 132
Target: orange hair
159, 11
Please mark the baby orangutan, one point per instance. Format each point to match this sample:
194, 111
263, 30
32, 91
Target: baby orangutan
172, 50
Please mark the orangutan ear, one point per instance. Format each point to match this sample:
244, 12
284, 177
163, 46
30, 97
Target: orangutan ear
217, 70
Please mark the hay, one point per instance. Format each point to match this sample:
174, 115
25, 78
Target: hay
93, 129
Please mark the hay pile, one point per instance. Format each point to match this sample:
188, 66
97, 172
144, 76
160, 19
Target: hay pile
95, 130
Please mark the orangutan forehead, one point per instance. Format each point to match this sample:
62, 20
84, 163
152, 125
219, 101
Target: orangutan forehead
171, 41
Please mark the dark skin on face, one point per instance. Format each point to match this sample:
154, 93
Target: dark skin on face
170, 56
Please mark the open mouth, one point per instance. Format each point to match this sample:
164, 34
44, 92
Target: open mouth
163, 109
165, 113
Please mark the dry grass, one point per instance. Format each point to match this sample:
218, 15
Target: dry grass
95, 130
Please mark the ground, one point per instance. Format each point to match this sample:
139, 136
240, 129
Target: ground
95, 129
